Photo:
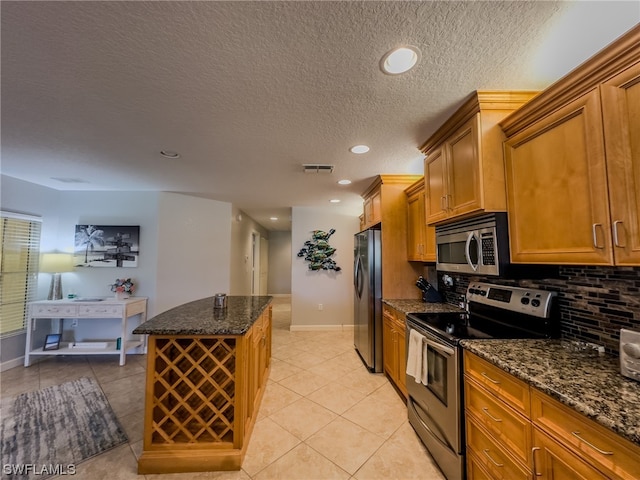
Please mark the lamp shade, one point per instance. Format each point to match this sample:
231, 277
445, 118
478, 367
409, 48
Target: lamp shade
56, 262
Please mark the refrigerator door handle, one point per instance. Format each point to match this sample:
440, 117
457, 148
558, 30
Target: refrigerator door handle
357, 277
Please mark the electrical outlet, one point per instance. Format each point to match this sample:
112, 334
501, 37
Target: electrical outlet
74, 323
320, 306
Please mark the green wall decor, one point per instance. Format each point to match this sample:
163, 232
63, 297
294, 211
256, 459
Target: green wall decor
317, 251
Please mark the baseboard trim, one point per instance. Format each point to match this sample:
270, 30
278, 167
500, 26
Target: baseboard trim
13, 363
321, 328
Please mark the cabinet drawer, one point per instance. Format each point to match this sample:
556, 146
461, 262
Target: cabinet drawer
506, 426
492, 456
106, 311
506, 387
553, 461
475, 470
135, 308
54, 311
613, 455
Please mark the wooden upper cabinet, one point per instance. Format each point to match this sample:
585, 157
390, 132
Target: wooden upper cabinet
387, 197
372, 208
421, 238
463, 168
556, 188
572, 163
621, 114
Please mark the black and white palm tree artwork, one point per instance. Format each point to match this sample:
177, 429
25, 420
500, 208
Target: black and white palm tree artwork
107, 246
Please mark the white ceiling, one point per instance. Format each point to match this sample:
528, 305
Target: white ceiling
247, 92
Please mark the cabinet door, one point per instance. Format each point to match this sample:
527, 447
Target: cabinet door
429, 249
463, 170
368, 212
435, 190
388, 344
376, 207
415, 227
556, 188
621, 114
551, 461
401, 337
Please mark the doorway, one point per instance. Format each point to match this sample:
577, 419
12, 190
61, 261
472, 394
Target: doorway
259, 264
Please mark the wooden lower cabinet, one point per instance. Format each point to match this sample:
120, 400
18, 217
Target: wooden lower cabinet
554, 462
394, 349
516, 431
202, 398
609, 453
475, 470
493, 455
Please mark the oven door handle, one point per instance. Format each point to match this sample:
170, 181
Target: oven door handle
433, 344
440, 348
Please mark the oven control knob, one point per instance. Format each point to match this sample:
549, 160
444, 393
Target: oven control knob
535, 302
473, 291
524, 301
482, 293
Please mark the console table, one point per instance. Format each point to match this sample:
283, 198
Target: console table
93, 310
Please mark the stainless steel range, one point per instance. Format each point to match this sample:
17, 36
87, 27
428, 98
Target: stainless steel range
435, 403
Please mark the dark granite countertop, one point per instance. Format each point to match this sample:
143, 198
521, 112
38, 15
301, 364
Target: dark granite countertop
580, 378
417, 305
200, 318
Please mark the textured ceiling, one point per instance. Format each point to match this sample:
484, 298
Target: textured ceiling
247, 92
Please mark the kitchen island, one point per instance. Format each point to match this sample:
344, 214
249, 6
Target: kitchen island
206, 373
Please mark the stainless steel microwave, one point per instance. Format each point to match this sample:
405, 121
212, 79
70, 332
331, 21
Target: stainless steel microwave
478, 246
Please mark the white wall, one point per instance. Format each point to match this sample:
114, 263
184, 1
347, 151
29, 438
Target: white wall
279, 263
194, 241
331, 289
181, 237
107, 208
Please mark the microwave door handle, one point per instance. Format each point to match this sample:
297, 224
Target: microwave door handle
467, 256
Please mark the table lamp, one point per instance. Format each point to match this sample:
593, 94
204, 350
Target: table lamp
56, 263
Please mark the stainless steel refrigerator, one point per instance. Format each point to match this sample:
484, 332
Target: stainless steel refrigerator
367, 280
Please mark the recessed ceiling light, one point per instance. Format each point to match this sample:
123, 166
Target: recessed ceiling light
400, 60
169, 154
273, 218
359, 149
344, 182
334, 200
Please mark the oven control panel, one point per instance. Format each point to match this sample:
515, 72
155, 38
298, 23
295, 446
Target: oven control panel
530, 301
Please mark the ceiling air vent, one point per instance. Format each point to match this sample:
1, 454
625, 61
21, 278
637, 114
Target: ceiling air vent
317, 168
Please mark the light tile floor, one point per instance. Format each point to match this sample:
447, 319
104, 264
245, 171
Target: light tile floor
323, 416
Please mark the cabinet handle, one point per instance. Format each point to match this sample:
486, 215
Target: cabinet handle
449, 203
442, 203
601, 452
486, 411
486, 452
616, 242
490, 379
535, 467
595, 235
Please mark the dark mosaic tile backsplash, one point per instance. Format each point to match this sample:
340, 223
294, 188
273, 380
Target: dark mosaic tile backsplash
594, 303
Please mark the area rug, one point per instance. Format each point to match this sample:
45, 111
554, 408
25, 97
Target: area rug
50, 431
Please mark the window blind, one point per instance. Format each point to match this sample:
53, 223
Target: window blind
19, 258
